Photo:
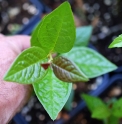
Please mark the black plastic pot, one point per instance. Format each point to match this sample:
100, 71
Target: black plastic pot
19, 119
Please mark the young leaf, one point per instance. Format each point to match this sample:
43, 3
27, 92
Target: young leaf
52, 93
98, 109
67, 71
117, 42
26, 69
90, 62
57, 31
83, 35
117, 108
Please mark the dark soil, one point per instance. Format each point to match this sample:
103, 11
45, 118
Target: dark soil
34, 113
108, 27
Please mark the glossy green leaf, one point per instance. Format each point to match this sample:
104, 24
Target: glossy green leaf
83, 35
52, 93
68, 105
90, 62
117, 42
98, 109
57, 30
26, 69
67, 71
117, 108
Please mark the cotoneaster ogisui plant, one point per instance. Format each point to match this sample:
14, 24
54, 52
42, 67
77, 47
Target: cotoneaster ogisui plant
52, 77
109, 113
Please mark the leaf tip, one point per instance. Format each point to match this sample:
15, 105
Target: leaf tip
5, 77
93, 115
66, 2
87, 79
116, 67
111, 46
53, 117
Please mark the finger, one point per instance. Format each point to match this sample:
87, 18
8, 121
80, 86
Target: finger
2, 37
21, 42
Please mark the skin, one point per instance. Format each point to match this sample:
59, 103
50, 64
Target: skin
12, 95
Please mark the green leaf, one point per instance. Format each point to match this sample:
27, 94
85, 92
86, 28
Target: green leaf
34, 37
83, 35
56, 33
52, 93
117, 42
90, 62
68, 105
98, 109
111, 120
101, 112
117, 108
67, 71
26, 69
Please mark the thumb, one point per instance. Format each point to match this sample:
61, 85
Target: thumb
19, 42
12, 95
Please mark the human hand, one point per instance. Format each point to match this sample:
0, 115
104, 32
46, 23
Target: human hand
12, 95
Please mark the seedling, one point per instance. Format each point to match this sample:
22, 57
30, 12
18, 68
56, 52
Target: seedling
109, 113
56, 34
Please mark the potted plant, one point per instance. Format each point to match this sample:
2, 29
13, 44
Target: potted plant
51, 75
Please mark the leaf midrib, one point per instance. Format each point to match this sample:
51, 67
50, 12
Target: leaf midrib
58, 35
52, 97
55, 42
93, 65
67, 70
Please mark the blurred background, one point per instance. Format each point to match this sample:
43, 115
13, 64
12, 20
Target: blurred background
14, 14
20, 17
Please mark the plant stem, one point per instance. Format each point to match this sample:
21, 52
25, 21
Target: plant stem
50, 58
